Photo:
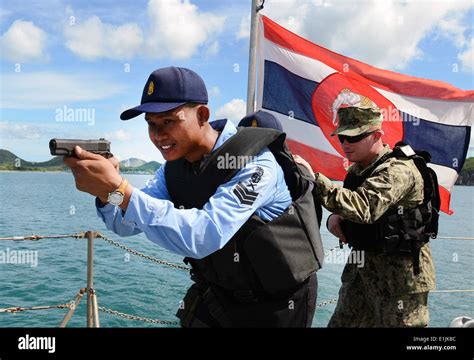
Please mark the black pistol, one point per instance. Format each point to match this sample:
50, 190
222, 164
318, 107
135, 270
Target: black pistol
65, 147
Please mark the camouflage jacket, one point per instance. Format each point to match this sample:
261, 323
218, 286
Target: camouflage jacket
394, 183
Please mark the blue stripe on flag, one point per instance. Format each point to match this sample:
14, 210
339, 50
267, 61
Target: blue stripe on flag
286, 92
447, 144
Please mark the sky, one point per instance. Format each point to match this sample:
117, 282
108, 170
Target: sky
69, 68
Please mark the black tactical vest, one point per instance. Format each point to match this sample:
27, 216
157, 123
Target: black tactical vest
267, 257
399, 230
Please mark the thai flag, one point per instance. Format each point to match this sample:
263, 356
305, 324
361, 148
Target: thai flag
304, 84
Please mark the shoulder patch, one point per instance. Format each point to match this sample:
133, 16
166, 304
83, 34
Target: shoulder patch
257, 175
245, 195
245, 191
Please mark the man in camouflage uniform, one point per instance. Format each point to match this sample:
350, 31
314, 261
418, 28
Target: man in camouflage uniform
385, 292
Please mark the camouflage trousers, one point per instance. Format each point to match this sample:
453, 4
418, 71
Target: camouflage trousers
362, 305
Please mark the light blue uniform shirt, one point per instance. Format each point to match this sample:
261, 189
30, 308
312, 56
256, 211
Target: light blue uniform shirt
197, 233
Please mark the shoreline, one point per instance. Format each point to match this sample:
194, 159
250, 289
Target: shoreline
61, 171
126, 172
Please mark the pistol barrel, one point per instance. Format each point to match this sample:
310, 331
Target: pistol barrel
65, 147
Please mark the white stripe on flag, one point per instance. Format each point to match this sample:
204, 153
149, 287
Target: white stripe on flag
307, 134
300, 65
446, 176
456, 113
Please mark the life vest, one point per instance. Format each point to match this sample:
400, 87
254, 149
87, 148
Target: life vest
268, 257
399, 230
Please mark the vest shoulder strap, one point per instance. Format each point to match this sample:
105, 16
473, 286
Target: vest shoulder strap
240, 148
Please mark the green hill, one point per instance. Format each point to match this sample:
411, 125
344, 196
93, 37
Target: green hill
7, 157
147, 168
466, 176
468, 164
9, 161
132, 163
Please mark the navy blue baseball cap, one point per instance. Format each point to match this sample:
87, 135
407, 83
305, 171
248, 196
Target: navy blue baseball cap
168, 88
261, 119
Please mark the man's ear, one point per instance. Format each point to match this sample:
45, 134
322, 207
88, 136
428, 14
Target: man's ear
203, 114
378, 135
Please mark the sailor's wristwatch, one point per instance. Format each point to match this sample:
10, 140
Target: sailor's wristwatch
116, 197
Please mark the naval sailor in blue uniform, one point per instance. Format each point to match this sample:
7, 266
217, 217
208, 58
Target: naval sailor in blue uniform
231, 201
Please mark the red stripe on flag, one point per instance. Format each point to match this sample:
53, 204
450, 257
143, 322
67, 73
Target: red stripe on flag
330, 165
382, 79
445, 196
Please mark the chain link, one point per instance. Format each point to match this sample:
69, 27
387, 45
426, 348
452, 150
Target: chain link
326, 302
162, 262
144, 256
18, 309
135, 317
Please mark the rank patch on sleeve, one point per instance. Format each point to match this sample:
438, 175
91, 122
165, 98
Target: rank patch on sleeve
245, 195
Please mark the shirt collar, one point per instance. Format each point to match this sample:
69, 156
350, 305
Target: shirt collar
227, 129
359, 170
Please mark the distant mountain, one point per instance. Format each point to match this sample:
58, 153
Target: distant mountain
466, 176
9, 161
132, 162
7, 157
149, 166
146, 168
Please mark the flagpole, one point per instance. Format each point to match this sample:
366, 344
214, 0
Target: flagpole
252, 76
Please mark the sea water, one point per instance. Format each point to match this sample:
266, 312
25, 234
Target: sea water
49, 204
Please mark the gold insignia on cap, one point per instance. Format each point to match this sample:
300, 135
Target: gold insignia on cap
254, 123
151, 88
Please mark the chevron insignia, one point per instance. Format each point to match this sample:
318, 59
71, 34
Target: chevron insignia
245, 196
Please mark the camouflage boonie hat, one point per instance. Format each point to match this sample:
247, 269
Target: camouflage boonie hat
354, 121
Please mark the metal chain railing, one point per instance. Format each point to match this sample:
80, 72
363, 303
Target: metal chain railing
80, 235
46, 307
455, 237
327, 302
71, 305
144, 256
135, 317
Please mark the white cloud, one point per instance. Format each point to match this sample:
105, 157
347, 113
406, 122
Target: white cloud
94, 39
120, 135
42, 90
212, 49
234, 110
382, 33
174, 29
23, 42
20, 131
10, 130
139, 147
453, 28
467, 57
244, 30
178, 28
214, 91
